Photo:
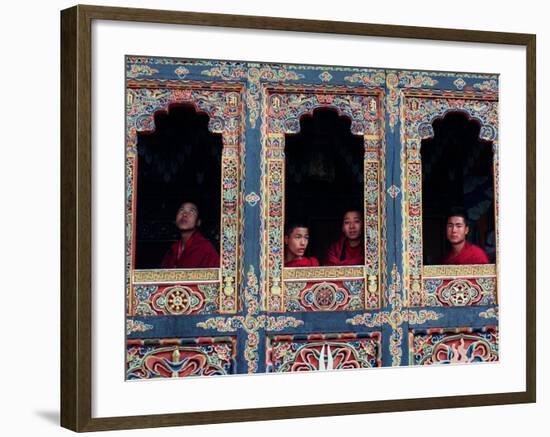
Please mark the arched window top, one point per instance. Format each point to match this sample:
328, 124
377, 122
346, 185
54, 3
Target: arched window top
324, 176
180, 160
457, 174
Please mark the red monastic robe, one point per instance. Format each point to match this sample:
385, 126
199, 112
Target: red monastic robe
197, 253
303, 262
340, 253
470, 254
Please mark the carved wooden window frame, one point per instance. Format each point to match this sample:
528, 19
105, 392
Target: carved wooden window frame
443, 285
176, 288
367, 119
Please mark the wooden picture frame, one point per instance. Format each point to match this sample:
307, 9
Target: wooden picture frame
76, 217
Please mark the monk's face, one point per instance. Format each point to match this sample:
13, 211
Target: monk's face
352, 225
297, 241
456, 230
187, 217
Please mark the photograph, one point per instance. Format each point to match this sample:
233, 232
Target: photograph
287, 218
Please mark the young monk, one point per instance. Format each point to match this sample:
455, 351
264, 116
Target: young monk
348, 250
296, 241
192, 250
461, 251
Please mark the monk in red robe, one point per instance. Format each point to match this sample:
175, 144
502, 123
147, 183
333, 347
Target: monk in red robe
192, 250
296, 241
461, 251
349, 249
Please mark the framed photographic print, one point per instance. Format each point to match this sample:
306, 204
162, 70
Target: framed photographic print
270, 218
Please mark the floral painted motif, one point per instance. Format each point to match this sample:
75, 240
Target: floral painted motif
137, 326
376, 78
136, 71
411, 79
460, 291
487, 85
157, 300
403, 79
253, 74
323, 352
177, 358
491, 313
286, 109
453, 346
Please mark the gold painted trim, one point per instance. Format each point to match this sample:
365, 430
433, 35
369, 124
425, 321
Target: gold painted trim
175, 275
470, 270
203, 85
325, 89
374, 137
321, 273
448, 94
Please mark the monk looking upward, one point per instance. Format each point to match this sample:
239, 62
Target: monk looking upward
192, 250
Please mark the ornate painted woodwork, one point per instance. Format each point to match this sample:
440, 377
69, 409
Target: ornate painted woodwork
420, 108
453, 346
176, 358
323, 352
253, 315
224, 106
284, 106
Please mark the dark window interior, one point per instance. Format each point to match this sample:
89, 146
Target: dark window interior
179, 161
457, 172
324, 177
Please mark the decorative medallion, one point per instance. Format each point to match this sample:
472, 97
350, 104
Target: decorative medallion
460, 293
176, 300
394, 191
252, 198
325, 76
459, 83
181, 72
